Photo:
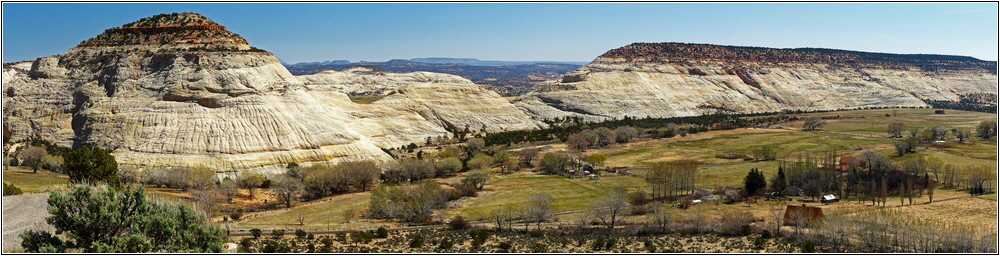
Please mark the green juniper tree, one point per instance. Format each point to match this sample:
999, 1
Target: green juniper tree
110, 220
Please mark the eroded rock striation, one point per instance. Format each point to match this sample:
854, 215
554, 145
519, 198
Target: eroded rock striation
180, 90
676, 79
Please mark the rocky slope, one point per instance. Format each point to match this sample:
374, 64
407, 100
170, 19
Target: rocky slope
181, 90
367, 82
449, 101
674, 79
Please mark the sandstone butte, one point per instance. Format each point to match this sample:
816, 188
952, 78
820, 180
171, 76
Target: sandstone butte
678, 79
180, 90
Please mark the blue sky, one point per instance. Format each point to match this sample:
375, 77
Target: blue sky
557, 32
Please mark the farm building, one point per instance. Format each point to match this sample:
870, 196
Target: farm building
807, 213
845, 163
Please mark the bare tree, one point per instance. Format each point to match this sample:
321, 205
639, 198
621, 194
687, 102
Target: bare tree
578, 141
798, 218
348, 215
539, 209
896, 129
625, 134
527, 155
477, 179
32, 156
978, 176
250, 181
597, 159
777, 214
209, 200
504, 217
474, 145
986, 129
673, 178
286, 187
661, 217
230, 189
196, 177
961, 134
609, 208
813, 123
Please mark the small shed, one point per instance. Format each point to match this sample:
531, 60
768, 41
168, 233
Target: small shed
829, 199
807, 213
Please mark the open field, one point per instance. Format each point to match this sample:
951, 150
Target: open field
43, 181
515, 190
325, 213
874, 122
740, 141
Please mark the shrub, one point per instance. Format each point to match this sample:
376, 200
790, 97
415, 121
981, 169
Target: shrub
464, 189
235, 216
638, 198
10, 190
479, 237
650, 247
598, 244
736, 223
327, 242
611, 242
382, 232
459, 223
106, 220
445, 244
417, 241
448, 166
411, 203
275, 246
808, 246
759, 242
504, 247
362, 237
43, 242
300, 233
256, 233
277, 233
538, 248
639, 210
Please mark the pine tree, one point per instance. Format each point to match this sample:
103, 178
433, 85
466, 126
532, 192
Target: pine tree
778, 181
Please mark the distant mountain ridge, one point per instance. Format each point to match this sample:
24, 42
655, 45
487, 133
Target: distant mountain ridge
508, 80
445, 60
478, 62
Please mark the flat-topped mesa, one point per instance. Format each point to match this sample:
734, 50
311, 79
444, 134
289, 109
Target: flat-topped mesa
678, 79
175, 31
658, 53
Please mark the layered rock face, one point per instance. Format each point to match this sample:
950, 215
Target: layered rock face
673, 79
367, 82
450, 102
180, 90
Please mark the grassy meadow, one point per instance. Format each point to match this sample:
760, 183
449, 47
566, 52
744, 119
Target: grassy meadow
567, 193
28, 182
